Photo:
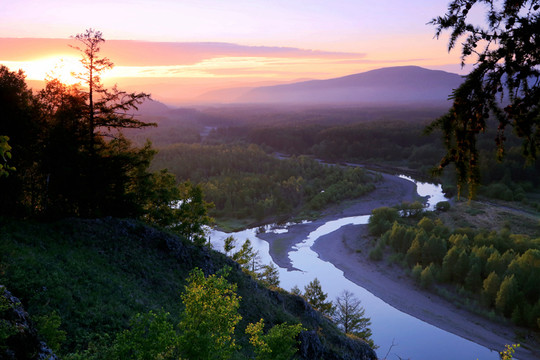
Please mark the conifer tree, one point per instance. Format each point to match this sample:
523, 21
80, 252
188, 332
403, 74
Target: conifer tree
504, 82
316, 297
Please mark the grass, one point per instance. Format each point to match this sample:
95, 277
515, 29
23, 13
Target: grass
97, 274
95, 282
481, 215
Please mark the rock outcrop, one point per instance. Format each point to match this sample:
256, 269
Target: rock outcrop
18, 338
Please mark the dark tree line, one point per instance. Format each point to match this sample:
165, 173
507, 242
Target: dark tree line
68, 156
394, 143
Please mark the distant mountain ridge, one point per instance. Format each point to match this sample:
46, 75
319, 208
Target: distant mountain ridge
392, 85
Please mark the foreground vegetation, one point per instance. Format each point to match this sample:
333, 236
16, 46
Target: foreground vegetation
90, 279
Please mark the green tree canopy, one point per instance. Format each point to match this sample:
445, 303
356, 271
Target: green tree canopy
316, 297
210, 317
279, 343
5, 154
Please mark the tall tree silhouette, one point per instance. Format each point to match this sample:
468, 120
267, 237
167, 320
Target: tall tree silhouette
107, 108
107, 111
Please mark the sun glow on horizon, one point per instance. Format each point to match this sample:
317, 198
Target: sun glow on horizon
62, 67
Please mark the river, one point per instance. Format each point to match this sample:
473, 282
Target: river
406, 336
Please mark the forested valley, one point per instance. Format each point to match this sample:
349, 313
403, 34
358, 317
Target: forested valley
98, 287
446, 248
391, 139
107, 200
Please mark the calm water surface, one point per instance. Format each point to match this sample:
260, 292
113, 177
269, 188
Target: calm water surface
414, 338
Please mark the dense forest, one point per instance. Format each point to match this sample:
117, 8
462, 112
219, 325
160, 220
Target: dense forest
106, 288
392, 139
497, 271
245, 182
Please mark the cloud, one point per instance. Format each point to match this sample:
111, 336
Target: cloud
145, 53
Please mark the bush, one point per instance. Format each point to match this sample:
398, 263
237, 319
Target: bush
442, 206
427, 277
376, 254
416, 272
381, 220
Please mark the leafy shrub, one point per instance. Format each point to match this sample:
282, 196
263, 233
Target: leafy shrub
442, 206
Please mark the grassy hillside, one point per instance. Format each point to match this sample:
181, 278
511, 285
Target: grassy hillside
97, 274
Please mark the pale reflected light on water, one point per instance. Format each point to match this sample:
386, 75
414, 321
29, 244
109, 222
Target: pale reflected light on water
415, 339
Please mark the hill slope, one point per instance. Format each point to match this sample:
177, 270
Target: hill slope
393, 85
97, 274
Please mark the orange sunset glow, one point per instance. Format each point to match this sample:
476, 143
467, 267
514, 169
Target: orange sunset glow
210, 54
270, 179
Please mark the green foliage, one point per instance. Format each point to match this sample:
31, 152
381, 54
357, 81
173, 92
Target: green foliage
99, 273
7, 328
490, 288
71, 157
206, 330
278, 344
295, 290
159, 194
150, 336
5, 155
506, 68
508, 352
269, 275
229, 244
416, 272
442, 206
349, 315
414, 254
316, 297
210, 317
246, 183
411, 210
381, 220
192, 216
498, 270
179, 208
48, 327
250, 262
248, 258
376, 254
427, 277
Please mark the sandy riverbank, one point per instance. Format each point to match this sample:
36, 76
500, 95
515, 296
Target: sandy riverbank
392, 190
388, 282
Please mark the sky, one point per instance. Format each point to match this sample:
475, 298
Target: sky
190, 47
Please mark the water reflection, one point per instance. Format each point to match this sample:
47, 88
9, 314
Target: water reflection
415, 339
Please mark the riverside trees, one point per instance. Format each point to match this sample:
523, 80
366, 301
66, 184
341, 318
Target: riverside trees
500, 270
347, 311
349, 314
